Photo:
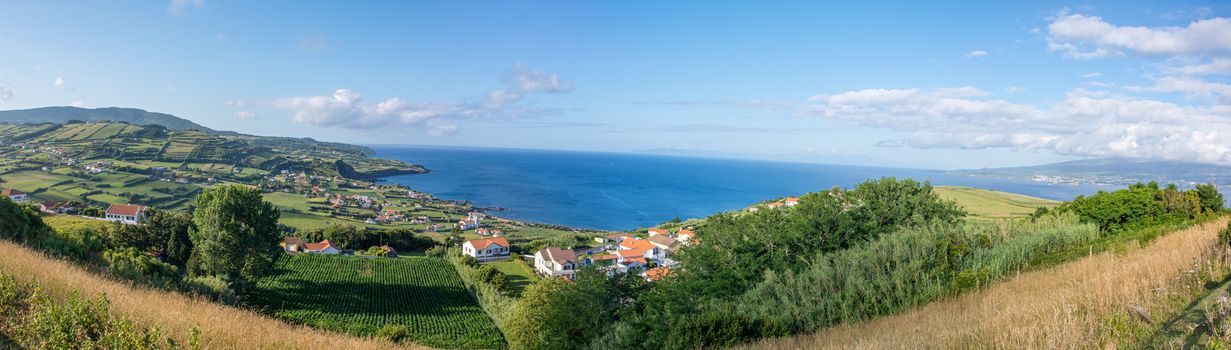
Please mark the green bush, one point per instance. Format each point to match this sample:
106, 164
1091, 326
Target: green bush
393, 333
211, 287
36, 321
132, 265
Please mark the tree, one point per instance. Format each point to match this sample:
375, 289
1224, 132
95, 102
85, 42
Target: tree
21, 223
235, 235
557, 314
1211, 199
164, 234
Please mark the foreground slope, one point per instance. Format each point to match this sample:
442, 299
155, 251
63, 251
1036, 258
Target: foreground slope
221, 327
1089, 303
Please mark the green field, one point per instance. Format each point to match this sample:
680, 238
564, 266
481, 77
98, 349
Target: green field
359, 296
520, 275
988, 204
72, 222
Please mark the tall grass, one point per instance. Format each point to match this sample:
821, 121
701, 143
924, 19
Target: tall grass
497, 304
1095, 302
221, 327
908, 268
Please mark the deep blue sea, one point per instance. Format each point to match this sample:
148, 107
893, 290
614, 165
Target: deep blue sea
617, 191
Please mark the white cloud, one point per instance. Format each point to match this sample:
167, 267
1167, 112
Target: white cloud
59, 82
347, 108
1015, 89
529, 80
976, 54
172, 88
179, 7
1085, 123
1084, 37
1217, 65
78, 103
245, 115
1092, 75
235, 103
6, 94
1191, 87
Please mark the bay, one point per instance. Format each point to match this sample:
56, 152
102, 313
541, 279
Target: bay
623, 191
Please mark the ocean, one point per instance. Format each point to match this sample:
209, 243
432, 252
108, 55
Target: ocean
618, 191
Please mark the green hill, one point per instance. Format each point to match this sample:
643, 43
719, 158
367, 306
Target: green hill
989, 204
120, 162
61, 115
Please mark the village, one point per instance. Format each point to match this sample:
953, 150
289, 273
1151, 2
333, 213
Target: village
647, 253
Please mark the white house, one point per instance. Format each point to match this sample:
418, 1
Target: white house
640, 248
684, 236
125, 213
658, 231
487, 249
14, 194
324, 247
791, 201
552, 261
468, 224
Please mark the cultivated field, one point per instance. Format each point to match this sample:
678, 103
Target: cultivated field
1090, 303
360, 296
988, 204
221, 327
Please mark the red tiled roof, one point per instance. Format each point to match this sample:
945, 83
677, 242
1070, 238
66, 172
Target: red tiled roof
8, 192
658, 231
636, 244
319, 246
657, 273
600, 257
125, 209
634, 260
484, 242
688, 233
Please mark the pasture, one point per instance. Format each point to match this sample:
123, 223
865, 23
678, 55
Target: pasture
987, 204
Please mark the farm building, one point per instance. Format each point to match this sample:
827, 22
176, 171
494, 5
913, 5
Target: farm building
14, 194
126, 213
324, 247
292, 244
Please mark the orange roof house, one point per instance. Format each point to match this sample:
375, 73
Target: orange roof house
656, 273
322, 246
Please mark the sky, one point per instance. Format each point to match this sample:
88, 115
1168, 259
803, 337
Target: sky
951, 85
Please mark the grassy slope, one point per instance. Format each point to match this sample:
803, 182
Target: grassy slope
1081, 304
221, 327
988, 204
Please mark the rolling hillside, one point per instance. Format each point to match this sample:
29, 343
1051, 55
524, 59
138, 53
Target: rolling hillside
988, 204
60, 115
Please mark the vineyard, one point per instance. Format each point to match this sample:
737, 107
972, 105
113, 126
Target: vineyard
360, 296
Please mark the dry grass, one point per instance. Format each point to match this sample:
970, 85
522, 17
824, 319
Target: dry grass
221, 327
1085, 304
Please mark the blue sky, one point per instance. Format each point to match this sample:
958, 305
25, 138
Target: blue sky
955, 85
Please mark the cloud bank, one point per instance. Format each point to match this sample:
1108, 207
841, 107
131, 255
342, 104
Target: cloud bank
346, 108
1085, 123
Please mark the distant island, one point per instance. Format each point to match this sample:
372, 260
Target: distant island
1113, 171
